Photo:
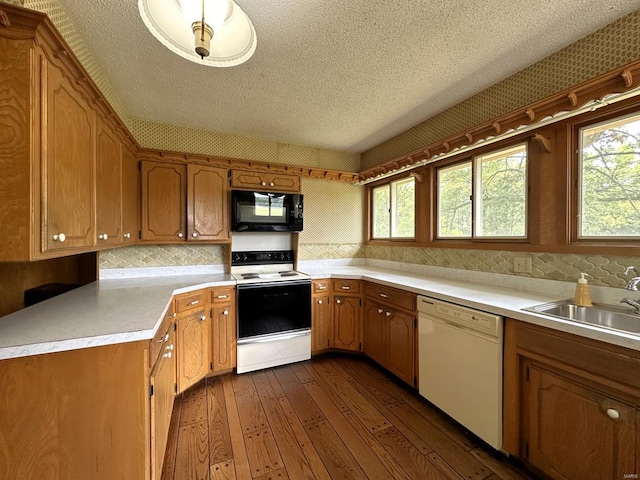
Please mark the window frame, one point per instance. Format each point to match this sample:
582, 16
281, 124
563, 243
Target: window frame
475, 182
388, 182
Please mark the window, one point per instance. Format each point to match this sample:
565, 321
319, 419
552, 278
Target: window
608, 171
484, 198
393, 209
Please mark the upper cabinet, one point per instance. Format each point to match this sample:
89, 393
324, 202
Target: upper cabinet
63, 148
184, 202
130, 196
261, 181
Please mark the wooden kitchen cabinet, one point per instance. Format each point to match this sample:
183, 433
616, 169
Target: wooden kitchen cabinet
130, 196
224, 336
108, 186
390, 330
571, 403
262, 181
346, 322
163, 387
321, 323
193, 347
68, 215
183, 202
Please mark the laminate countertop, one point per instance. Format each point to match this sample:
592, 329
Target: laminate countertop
131, 309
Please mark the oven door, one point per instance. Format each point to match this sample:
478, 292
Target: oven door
273, 308
274, 324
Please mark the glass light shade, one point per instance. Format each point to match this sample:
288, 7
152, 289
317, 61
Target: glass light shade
216, 12
233, 42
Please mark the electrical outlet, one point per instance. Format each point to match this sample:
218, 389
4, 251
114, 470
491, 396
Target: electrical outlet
522, 264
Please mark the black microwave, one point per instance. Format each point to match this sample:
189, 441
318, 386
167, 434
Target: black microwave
265, 211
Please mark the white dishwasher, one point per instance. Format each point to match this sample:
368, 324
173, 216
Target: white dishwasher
460, 365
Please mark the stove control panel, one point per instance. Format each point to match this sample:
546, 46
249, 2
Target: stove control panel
261, 258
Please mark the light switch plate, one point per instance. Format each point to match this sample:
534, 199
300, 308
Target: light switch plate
522, 264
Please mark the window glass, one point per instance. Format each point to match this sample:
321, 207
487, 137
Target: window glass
454, 201
381, 209
501, 193
609, 169
393, 209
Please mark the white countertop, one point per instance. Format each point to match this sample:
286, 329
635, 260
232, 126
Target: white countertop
123, 310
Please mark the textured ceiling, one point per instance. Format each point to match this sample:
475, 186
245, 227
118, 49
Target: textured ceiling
344, 75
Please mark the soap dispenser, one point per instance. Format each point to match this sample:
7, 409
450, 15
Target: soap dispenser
582, 297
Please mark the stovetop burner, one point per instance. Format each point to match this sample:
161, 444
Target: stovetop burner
264, 267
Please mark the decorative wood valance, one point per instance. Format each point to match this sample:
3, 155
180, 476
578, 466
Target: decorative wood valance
618, 81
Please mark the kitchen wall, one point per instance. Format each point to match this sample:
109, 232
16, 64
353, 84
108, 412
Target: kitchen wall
613, 46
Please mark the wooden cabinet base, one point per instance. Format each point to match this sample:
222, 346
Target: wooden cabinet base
77, 414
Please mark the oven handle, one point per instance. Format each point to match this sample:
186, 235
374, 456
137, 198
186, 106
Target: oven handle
274, 337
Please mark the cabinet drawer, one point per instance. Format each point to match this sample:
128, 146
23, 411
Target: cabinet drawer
221, 295
320, 286
189, 301
161, 338
393, 296
265, 181
346, 286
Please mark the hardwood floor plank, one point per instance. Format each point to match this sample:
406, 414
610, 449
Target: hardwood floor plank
192, 457
223, 471
240, 459
414, 463
501, 467
252, 417
263, 453
368, 460
277, 475
367, 413
299, 456
389, 461
463, 462
275, 385
301, 372
194, 410
299, 399
391, 392
168, 466
335, 398
444, 467
335, 455
220, 448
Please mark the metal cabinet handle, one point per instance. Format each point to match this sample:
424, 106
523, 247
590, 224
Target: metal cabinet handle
180, 235
59, 237
613, 414
167, 355
103, 236
195, 302
338, 301
203, 318
163, 339
263, 183
127, 235
319, 302
388, 314
271, 184
380, 310
223, 296
194, 234
321, 287
169, 348
226, 312
384, 295
346, 287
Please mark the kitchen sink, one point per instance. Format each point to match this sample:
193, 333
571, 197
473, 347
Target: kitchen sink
601, 315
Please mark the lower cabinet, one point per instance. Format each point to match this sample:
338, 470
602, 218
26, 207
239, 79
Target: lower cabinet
571, 404
193, 347
223, 322
321, 323
162, 382
336, 318
346, 322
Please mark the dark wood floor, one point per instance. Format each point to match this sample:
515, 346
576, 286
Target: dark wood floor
328, 418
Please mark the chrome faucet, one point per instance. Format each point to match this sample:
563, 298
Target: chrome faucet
633, 285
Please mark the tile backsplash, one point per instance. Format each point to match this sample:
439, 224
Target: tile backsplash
139, 256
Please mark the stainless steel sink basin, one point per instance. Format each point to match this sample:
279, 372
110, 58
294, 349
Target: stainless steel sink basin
602, 315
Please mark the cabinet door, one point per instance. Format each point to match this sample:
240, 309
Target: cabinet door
163, 201
108, 186
130, 197
569, 423
374, 332
265, 181
346, 323
400, 345
193, 347
68, 214
207, 204
321, 323
163, 379
224, 337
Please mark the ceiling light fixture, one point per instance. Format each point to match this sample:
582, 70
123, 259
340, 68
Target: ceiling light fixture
224, 35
